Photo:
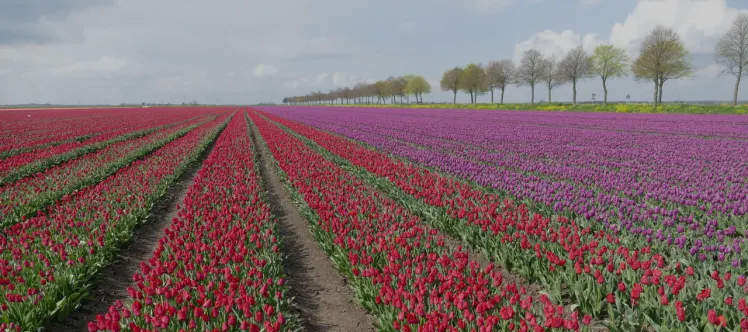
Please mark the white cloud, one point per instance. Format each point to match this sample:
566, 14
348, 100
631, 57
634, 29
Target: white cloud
554, 44
133, 49
306, 82
699, 23
263, 70
105, 65
294, 84
321, 78
347, 79
712, 70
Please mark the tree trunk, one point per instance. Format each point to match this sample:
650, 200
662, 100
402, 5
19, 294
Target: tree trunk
549, 94
471, 96
454, 98
735, 94
655, 94
532, 94
502, 96
408, 98
574, 93
491, 96
659, 99
605, 93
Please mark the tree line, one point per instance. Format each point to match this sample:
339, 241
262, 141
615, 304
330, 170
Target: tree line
662, 57
383, 91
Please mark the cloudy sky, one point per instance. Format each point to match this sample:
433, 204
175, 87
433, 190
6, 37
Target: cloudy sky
249, 51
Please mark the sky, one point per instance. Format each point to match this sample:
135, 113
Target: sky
252, 51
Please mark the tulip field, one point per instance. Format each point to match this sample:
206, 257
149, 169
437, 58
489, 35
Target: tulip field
436, 220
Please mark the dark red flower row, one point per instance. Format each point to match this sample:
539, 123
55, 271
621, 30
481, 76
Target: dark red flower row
46, 261
402, 271
101, 131
24, 197
218, 267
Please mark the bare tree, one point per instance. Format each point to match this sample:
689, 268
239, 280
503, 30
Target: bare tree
499, 75
574, 67
663, 57
397, 88
732, 52
492, 73
529, 71
607, 62
550, 75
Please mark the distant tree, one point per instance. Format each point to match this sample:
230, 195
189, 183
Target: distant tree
402, 85
451, 82
574, 67
474, 81
549, 74
359, 92
608, 62
407, 91
499, 75
417, 85
529, 71
491, 68
732, 52
663, 57
397, 87
347, 94
371, 92
383, 91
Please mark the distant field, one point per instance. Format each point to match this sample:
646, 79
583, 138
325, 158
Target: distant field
617, 108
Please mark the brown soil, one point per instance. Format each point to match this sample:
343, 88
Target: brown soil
322, 298
111, 284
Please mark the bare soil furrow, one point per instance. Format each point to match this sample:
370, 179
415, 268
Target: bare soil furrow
111, 284
322, 298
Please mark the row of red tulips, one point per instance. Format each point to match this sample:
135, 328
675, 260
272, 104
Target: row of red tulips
46, 261
30, 195
28, 163
629, 287
401, 270
21, 133
218, 267
7, 151
40, 137
20, 130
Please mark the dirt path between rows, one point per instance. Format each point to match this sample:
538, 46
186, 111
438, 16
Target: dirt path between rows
321, 296
111, 284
